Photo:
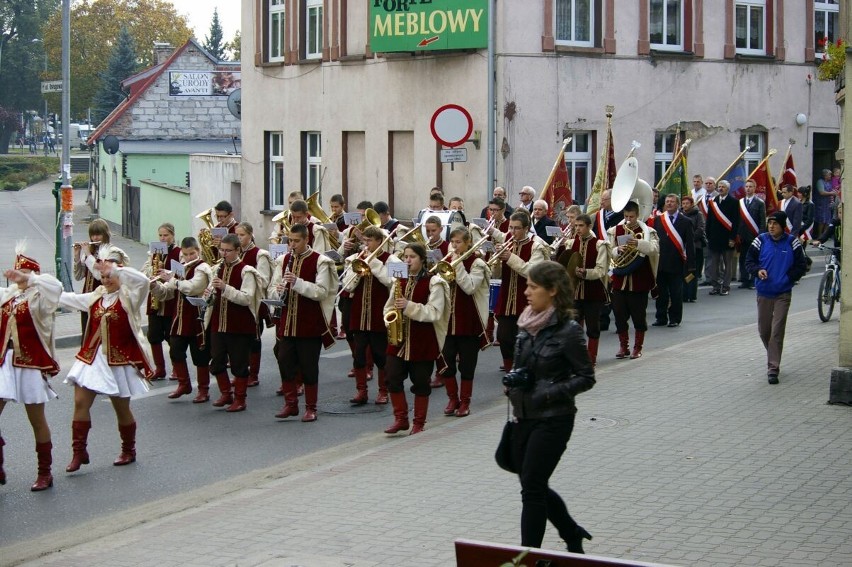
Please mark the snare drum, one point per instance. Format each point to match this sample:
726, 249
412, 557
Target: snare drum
493, 294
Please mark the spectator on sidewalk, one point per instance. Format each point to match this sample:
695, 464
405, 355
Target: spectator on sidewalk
777, 261
694, 214
551, 367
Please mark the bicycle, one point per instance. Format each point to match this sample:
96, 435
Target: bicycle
829, 285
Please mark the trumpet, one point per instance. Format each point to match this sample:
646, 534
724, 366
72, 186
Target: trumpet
447, 270
413, 235
497, 253
567, 234
282, 219
361, 266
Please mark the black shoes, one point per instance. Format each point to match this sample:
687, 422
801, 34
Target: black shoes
772, 377
674, 324
715, 291
658, 324
725, 292
575, 543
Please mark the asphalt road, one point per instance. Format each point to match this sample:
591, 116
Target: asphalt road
184, 446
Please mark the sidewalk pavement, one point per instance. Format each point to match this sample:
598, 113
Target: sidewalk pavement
684, 460
32, 212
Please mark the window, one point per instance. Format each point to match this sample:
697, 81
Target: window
750, 27
574, 23
578, 158
103, 181
756, 153
664, 151
277, 23
826, 14
275, 170
313, 30
313, 162
666, 24
114, 184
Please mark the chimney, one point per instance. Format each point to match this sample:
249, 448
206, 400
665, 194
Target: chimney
162, 51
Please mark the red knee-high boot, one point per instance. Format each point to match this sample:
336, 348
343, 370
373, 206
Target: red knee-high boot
79, 440
44, 480
464, 398
638, 341
311, 395
203, 395
489, 330
224, 384
593, 350
184, 385
128, 445
421, 408
624, 345
382, 396
240, 388
452, 395
400, 413
360, 387
254, 369
291, 401
159, 361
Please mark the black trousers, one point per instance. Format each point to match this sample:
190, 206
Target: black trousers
419, 371
670, 298
466, 348
507, 332
84, 319
690, 290
345, 306
589, 314
537, 447
627, 305
376, 341
158, 328
178, 345
233, 347
299, 354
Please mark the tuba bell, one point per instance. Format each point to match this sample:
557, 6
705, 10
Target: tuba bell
628, 187
205, 236
317, 212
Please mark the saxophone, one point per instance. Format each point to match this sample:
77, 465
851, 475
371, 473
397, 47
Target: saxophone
156, 265
393, 319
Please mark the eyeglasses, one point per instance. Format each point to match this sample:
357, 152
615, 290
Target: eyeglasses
494, 210
226, 250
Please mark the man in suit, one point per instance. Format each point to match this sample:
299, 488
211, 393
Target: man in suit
499, 193
722, 225
541, 221
752, 223
677, 259
793, 207
527, 196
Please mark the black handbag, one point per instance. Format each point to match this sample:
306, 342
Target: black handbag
503, 455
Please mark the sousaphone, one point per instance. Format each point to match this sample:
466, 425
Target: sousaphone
629, 187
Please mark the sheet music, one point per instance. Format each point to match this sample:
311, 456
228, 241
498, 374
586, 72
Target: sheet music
178, 269
276, 250
487, 247
197, 302
434, 256
273, 302
334, 256
219, 232
396, 268
158, 247
553, 231
480, 222
622, 240
352, 219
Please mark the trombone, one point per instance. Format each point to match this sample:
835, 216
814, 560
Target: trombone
447, 270
497, 253
361, 267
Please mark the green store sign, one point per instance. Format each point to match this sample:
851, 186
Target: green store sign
428, 25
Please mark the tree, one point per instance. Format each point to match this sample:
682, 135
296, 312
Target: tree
96, 25
122, 64
213, 42
235, 47
9, 123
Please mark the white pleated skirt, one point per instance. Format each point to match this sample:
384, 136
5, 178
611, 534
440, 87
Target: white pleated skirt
118, 381
23, 385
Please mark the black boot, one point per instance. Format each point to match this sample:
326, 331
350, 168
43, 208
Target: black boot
575, 542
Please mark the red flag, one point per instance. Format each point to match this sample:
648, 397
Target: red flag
789, 175
765, 186
611, 169
557, 191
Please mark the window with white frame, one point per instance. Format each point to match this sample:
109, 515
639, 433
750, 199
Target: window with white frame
664, 151
313, 29
313, 161
275, 171
826, 15
114, 184
757, 152
574, 24
665, 24
578, 158
750, 27
277, 21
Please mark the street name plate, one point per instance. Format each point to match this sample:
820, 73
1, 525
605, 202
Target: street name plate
51, 87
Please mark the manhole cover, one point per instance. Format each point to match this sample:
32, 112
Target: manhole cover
345, 408
599, 422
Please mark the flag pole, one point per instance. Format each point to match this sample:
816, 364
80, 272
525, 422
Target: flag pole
607, 144
560, 156
733, 163
593, 202
673, 164
771, 153
786, 157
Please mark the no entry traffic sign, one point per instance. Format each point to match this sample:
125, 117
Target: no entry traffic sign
451, 125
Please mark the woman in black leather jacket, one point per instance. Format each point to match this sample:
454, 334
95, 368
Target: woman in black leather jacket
551, 351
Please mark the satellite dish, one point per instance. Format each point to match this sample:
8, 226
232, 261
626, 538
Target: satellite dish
235, 103
110, 144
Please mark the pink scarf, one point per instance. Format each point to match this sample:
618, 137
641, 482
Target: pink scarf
532, 321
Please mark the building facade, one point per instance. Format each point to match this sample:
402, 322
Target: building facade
326, 99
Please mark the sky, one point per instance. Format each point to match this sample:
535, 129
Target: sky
200, 14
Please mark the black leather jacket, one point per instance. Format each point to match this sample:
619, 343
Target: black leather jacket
558, 363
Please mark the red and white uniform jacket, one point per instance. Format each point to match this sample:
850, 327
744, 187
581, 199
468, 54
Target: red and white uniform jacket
166, 307
424, 319
644, 278
197, 278
469, 300
594, 257
369, 294
235, 307
513, 282
26, 323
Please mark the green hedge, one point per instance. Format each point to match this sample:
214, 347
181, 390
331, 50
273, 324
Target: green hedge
17, 172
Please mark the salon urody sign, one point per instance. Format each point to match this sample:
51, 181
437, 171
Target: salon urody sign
428, 25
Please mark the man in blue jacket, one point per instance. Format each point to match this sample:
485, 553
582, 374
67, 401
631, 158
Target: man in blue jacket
776, 260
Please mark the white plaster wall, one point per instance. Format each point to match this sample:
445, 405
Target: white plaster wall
210, 177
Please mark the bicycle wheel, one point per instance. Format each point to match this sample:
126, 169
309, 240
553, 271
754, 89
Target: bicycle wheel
825, 297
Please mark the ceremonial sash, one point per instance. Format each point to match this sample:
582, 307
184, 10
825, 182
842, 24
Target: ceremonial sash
674, 236
789, 228
807, 234
600, 226
720, 216
702, 206
746, 216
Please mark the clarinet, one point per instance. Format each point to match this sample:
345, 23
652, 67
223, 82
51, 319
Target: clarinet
285, 294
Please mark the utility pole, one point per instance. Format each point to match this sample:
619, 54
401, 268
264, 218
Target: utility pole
65, 194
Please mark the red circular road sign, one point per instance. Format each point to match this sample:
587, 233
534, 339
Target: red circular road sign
451, 125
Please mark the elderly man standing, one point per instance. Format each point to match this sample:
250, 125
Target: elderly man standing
777, 260
527, 196
499, 193
541, 221
722, 225
752, 223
